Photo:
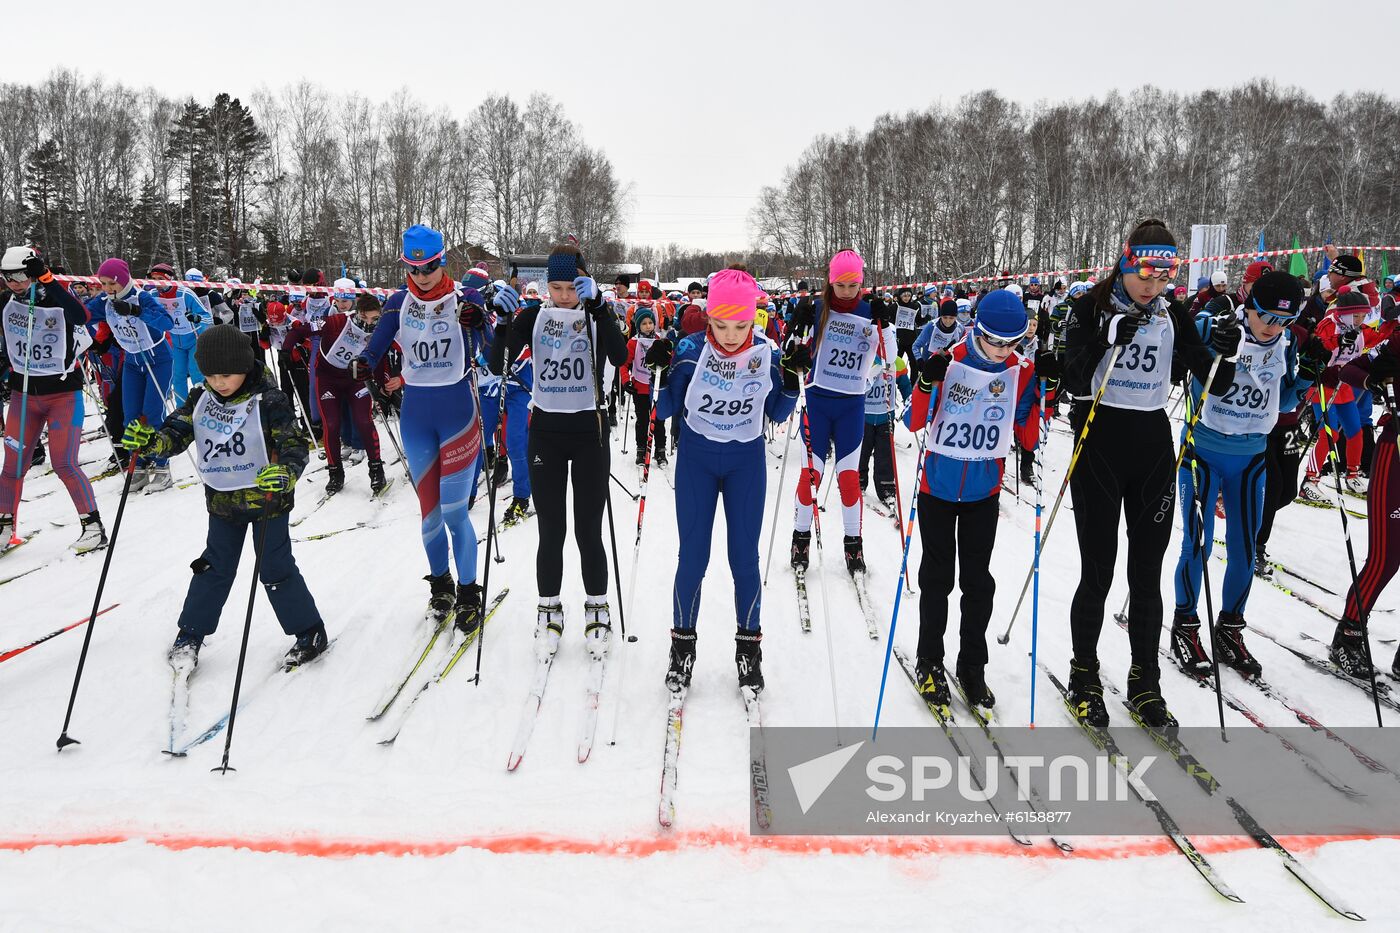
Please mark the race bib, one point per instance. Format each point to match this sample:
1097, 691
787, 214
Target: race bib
880, 396
1250, 404
130, 332
724, 401
641, 374
563, 363
1141, 378
351, 343
904, 317
434, 346
976, 413
230, 449
844, 352
247, 320
175, 307
317, 307
36, 347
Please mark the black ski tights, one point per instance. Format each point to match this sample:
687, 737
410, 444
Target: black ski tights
1127, 466
550, 453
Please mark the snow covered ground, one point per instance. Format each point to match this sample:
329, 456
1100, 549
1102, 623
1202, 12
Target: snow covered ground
322, 826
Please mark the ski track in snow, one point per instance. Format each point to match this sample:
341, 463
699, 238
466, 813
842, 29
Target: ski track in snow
309, 766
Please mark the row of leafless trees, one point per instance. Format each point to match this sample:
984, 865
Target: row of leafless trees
293, 178
988, 184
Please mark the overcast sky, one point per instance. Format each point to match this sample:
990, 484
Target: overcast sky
699, 105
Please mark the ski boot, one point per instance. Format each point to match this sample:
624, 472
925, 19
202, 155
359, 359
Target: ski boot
466, 611
661, 460
855, 554
1262, 568
443, 597
1187, 650
500, 473
7, 528
140, 476
612, 416
517, 510
974, 685
931, 682
335, 479
39, 457
682, 660
597, 628
377, 482
748, 657
549, 628
641, 458
1230, 648
1355, 484
184, 653
801, 549
1145, 697
310, 644
158, 479
1349, 650
1312, 492
1086, 694
1027, 474
94, 536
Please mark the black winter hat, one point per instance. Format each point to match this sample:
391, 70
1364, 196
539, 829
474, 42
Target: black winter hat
1347, 265
223, 350
1278, 293
1351, 303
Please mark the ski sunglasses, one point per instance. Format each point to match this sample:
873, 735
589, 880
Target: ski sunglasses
1150, 262
19, 278
1000, 343
1270, 317
427, 268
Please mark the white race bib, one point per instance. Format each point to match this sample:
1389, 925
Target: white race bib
1250, 404
351, 343
434, 346
940, 339
175, 307
563, 363
36, 350
641, 373
844, 353
317, 307
725, 398
247, 319
905, 317
1141, 379
130, 332
976, 413
880, 395
230, 449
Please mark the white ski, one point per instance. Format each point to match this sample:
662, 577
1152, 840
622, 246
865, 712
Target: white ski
670, 759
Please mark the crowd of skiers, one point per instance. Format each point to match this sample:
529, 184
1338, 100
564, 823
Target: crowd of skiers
502, 379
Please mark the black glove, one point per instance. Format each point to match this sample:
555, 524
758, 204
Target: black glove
360, 369
630, 389
1225, 334
1384, 367
881, 312
792, 378
1312, 357
1331, 376
1391, 313
934, 369
472, 316
35, 268
1120, 329
1047, 365
803, 316
659, 354
797, 357
1346, 339
125, 308
192, 317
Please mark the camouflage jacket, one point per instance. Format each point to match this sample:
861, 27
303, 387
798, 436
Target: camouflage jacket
287, 444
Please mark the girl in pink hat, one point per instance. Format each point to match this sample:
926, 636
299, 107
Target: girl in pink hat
836, 339
722, 383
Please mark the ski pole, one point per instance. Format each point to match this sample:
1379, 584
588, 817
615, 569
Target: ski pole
904, 570
623, 486
486, 573
260, 544
64, 739
1351, 554
626, 418
1042, 436
778, 500
19, 448
1005, 637
636, 550
1198, 506
894, 461
817, 534
96, 397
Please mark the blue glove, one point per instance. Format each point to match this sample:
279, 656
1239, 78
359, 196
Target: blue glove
586, 288
507, 300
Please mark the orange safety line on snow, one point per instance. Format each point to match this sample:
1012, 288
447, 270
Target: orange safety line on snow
678, 842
